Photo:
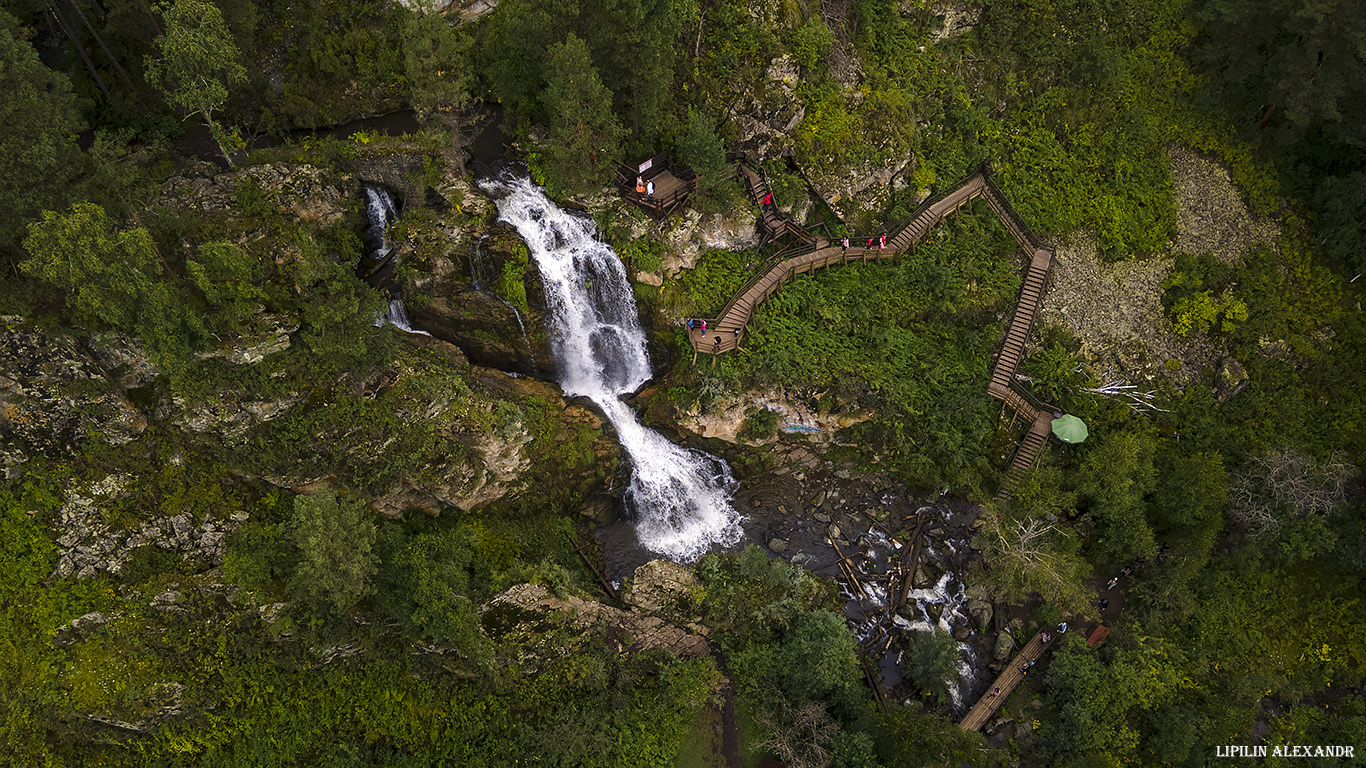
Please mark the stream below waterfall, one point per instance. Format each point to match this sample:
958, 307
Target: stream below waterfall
679, 498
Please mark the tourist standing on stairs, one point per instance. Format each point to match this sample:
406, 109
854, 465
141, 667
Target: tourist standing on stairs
650, 189
844, 243
767, 202
704, 326
882, 242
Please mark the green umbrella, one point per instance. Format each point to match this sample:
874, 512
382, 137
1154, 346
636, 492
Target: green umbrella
1070, 429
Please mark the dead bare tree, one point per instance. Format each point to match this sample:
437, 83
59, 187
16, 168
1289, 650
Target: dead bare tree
801, 737
1022, 559
1288, 484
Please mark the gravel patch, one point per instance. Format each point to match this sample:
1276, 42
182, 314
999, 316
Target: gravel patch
1211, 216
1116, 311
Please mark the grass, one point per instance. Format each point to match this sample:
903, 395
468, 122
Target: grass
703, 746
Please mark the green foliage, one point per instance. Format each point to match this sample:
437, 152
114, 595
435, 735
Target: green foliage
910, 341
1112, 480
812, 42
224, 274
1058, 368
335, 537
437, 67
703, 151
760, 424
40, 162
112, 278
817, 654
906, 736
629, 44
339, 314
933, 663
199, 63
424, 583
584, 146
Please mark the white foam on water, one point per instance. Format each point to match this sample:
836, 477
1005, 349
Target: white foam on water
397, 316
681, 497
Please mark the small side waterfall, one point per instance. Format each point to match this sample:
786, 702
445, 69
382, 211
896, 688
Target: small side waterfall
379, 210
681, 497
397, 316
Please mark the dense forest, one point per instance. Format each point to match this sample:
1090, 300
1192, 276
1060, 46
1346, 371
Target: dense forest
244, 521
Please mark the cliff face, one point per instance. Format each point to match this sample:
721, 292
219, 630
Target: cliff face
413, 424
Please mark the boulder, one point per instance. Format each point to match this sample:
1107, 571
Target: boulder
486, 329
777, 545
980, 611
1005, 645
1231, 379
660, 585
934, 611
926, 575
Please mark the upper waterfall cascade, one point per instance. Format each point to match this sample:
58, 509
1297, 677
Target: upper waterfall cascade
681, 497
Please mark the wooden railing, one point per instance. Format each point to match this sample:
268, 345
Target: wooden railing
728, 327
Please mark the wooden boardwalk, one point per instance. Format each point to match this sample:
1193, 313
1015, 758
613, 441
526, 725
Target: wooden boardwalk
1010, 677
727, 329
1013, 673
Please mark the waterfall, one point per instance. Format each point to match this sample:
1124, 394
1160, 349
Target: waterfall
397, 316
379, 211
681, 497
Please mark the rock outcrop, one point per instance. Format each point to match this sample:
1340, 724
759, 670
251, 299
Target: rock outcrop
632, 631
54, 395
88, 545
689, 236
486, 329
726, 418
660, 585
764, 118
301, 192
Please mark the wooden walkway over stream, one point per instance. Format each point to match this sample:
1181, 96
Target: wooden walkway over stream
725, 332
1014, 673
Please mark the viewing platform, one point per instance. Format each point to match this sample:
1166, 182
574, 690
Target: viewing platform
672, 185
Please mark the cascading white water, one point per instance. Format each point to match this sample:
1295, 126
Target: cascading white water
397, 316
379, 210
681, 497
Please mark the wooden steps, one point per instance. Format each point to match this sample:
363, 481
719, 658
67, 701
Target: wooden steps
811, 254
1025, 454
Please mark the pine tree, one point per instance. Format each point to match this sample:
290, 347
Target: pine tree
40, 163
585, 140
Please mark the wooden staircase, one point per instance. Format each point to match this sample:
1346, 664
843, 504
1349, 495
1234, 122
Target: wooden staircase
810, 253
1026, 453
